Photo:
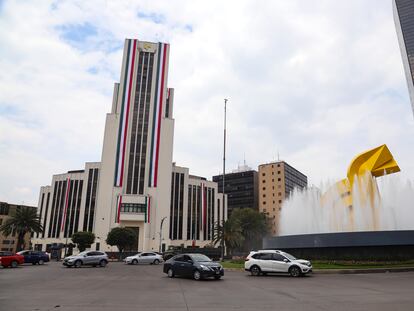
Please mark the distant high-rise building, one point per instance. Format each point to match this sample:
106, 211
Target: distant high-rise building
276, 181
404, 23
240, 188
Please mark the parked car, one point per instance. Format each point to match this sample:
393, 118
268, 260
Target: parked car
86, 258
8, 259
275, 261
34, 257
197, 266
144, 258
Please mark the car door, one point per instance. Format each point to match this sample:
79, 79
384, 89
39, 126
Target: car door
143, 258
279, 263
266, 262
89, 259
187, 266
178, 265
150, 257
34, 256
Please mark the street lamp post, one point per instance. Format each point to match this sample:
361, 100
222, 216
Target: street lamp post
162, 222
224, 177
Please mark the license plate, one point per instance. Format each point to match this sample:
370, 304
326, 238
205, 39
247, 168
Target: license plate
217, 272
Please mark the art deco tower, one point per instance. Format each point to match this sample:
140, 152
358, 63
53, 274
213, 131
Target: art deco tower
135, 182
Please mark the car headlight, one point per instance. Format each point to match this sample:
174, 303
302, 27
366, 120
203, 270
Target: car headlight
204, 267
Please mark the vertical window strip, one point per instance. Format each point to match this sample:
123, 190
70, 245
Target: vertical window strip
51, 217
181, 208
73, 206
45, 216
56, 209
61, 208
189, 210
78, 207
199, 214
68, 211
135, 121
145, 123
88, 199
93, 200
41, 210
172, 205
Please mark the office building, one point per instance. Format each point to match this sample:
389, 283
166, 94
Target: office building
240, 187
404, 23
276, 181
132, 185
9, 243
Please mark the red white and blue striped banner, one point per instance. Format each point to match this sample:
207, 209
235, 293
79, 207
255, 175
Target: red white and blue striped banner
160, 95
118, 208
65, 211
125, 108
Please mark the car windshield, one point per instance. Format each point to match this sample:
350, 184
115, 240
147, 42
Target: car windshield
21, 252
200, 258
289, 256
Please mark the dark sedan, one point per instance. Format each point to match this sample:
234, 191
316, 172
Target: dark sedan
34, 257
197, 266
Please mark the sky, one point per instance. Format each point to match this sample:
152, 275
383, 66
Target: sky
311, 82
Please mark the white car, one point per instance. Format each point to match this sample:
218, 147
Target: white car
144, 258
274, 261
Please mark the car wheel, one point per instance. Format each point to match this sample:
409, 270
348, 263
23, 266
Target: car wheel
217, 277
135, 262
295, 271
170, 273
78, 264
14, 264
103, 263
41, 262
255, 271
197, 275
156, 262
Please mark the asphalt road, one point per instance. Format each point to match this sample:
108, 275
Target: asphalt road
121, 287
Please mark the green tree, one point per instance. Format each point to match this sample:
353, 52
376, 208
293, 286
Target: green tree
254, 227
83, 239
228, 234
122, 238
24, 220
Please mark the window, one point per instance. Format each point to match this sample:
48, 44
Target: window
263, 181
264, 195
273, 180
264, 188
279, 179
273, 203
263, 174
274, 208
278, 172
264, 202
263, 256
273, 173
280, 201
278, 257
179, 258
280, 193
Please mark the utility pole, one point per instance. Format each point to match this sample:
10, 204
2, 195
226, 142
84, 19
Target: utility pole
224, 177
162, 222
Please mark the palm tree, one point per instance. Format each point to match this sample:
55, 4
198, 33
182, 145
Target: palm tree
228, 234
24, 220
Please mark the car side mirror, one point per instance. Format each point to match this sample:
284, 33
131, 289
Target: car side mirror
286, 260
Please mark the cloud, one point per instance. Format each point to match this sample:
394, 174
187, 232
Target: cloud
316, 81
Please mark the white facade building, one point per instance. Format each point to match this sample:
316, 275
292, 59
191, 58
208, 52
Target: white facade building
133, 184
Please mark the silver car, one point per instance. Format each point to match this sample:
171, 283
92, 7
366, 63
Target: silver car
87, 258
144, 258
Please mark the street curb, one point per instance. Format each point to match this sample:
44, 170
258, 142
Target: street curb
347, 271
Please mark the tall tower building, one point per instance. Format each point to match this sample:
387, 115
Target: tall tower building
276, 181
134, 189
404, 23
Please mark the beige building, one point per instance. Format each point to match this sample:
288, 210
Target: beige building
276, 181
9, 243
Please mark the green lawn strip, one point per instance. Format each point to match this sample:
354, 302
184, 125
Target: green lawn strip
237, 264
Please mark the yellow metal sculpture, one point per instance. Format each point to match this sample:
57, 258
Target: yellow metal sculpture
360, 180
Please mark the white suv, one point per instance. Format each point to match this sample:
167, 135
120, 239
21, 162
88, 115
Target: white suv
274, 261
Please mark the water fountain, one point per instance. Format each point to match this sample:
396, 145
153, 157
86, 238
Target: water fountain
360, 217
